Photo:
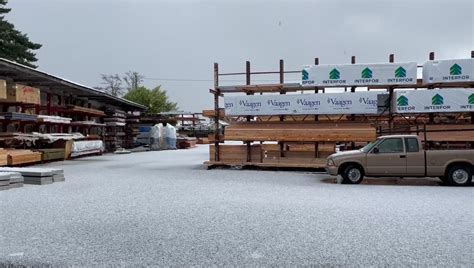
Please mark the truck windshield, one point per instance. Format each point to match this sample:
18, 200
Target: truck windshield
369, 146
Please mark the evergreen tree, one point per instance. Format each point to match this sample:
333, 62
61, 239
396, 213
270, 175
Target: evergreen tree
14, 45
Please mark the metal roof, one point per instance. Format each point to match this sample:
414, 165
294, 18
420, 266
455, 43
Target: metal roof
25, 75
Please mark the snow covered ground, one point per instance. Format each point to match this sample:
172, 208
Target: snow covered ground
165, 208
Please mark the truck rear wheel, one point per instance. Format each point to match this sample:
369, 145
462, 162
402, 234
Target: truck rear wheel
352, 174
459, 175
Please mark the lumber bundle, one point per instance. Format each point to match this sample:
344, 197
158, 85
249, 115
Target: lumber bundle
84, 110
203, 141
447, 133
299, 132
186, 143
212, 113
3, 157
54, 119
21, 157
53, 154
19, 117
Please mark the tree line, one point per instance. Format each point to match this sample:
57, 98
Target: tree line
130, 86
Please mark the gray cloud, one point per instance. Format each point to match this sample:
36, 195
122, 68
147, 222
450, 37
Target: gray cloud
182, 39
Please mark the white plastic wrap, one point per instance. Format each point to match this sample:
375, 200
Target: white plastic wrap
155, 137
169, 134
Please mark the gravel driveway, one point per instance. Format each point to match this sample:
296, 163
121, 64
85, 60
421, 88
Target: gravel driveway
165, 208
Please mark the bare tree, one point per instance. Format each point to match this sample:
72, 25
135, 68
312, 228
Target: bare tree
133, 80
112, 84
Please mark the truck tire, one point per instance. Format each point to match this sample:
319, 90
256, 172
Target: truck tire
459, 175
352, 174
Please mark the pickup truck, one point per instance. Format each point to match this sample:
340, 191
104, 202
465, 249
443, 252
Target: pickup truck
402, 156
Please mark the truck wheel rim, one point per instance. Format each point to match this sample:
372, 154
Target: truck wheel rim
460, 176
354, 174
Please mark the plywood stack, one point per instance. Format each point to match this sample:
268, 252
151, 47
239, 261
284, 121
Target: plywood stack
19, 117
17, 93
131, 131
186, 142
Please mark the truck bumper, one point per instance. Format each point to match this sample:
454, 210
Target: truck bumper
332, 170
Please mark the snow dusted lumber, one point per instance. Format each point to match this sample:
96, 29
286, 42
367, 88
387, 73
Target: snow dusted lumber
54, 119
87, 147
39, 176
289, 131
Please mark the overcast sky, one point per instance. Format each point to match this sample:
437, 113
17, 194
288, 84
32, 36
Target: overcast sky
181, 39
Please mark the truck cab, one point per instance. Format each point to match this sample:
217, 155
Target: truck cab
402, 156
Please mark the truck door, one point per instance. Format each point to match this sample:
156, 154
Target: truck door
387, 158
415, 157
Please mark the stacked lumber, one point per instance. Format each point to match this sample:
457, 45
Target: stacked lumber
186, 142
87, 123
203, 141
3, 157
21, 157
38, 176
4, 182
212, 113
19, 117
264, 156
17, 136
52, 154
54, 119
447, 132
84, 110
300, 132
115, 122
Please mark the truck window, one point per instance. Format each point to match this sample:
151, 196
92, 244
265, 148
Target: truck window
411, 145
392, 145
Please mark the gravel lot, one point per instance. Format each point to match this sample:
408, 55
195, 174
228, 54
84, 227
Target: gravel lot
165, 208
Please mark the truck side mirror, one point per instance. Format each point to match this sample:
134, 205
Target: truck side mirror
376, 150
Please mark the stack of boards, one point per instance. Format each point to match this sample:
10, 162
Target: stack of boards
115, 122
9, 180
37, 176
19, 117
14, 157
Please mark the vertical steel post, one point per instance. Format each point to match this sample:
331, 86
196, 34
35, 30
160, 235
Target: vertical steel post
316, 117
431, 115
391, 59
216, 113
282, 117
247, 82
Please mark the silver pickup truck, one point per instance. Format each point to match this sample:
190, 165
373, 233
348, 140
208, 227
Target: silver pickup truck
402, 156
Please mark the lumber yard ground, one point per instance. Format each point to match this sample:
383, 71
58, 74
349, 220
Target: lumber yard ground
165, 208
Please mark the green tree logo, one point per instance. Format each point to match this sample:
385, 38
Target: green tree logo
400, 72
334, 74
305, 75
402, 101
366, 73
437, 100
470, 100
455, 70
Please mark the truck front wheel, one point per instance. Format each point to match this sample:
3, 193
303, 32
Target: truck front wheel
352, 174
459, 175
